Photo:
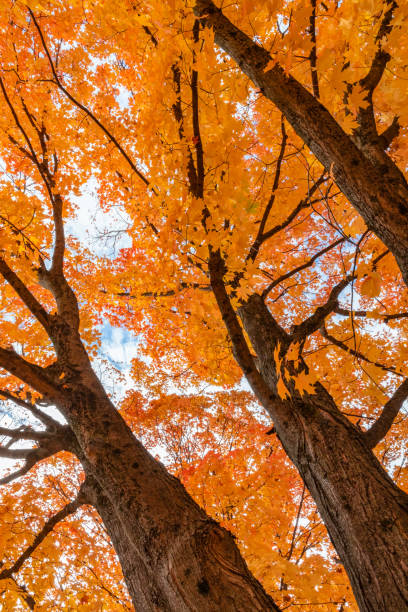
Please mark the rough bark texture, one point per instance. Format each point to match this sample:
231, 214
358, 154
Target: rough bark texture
173, 556
364, 511
366, 175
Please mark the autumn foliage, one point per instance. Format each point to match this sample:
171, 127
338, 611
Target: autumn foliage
196, 184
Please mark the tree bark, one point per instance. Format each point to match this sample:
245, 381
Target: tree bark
173, 556
368, 177
365, 513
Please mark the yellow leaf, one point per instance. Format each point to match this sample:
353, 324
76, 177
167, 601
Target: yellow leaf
371, 285
304, 383
357, 227
374, 314
282, 389
276, 357
270, 65
358, 98
293, 352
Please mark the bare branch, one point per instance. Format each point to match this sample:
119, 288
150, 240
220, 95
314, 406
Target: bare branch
364, 313
315, 321
17, 473
159, 294
15, 453
44, 418
24, 434
307, 264
293, 540
48, 445
383, 424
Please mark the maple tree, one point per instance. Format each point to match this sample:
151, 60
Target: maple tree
150, 518
242, 239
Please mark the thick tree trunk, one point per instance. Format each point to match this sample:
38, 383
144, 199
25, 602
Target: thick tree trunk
173, 556
370, 180
364, 511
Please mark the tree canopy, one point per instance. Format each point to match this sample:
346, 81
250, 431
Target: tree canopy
249, 161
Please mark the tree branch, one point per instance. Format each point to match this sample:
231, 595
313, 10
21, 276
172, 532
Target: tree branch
52, 279
31, 154
367, 131
378, 191
307, 264
44, 418
240, 347
48, 445
313, 52
260, 237
86, 110
15, 453
24, 594
315, 321
30, 373
364, 313
17, 473
69, 509
391, 132
343, 346
159, 294
381, 57
383, 424
59, 245
198, 143
25, 295
289, 554
46, 176
24, 434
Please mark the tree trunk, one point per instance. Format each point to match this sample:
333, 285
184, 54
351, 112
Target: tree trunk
370, 179
173, 556
365, 513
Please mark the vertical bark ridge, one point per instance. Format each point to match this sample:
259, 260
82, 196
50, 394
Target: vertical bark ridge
173, 556
365, 513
